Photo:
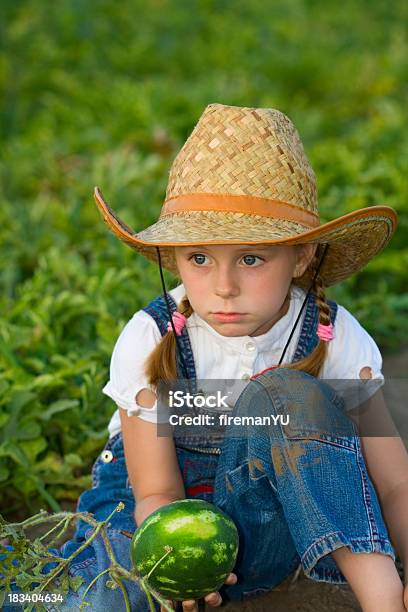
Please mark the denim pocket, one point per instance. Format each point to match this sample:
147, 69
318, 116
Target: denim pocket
252, 488
323, 421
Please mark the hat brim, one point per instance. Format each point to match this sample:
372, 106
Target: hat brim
354, 238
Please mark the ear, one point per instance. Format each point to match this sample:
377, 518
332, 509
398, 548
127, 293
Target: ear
304, 256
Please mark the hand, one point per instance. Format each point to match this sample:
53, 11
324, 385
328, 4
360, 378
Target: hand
212, 599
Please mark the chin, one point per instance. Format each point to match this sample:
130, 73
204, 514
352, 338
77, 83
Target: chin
231, 330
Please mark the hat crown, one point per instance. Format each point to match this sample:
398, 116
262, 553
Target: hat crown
244, 151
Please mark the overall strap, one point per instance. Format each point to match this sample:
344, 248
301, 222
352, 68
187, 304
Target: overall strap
206, 442
158, 310
308, 338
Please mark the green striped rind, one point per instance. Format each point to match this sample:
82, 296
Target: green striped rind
204, 542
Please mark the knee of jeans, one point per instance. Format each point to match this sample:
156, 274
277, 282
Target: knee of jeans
296, 385
283, 375
284, 388
304, 402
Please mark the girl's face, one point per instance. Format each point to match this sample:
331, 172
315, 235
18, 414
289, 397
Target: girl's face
241, 290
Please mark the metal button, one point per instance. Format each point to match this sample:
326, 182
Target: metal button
107, 456
250, 346
245, 376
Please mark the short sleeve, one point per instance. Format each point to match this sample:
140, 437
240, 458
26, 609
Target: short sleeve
136, 341
351, 350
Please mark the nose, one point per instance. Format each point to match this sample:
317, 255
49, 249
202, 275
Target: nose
225, 283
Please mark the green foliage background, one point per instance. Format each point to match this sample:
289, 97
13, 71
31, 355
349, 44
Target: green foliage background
105, 93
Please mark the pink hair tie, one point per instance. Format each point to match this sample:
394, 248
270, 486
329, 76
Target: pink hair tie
325, 332
179, 321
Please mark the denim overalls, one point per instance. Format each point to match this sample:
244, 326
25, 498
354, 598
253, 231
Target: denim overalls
295, 494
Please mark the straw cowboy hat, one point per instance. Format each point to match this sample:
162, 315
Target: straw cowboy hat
243, 177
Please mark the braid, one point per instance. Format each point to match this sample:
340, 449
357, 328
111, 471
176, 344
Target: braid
324, 308
313, 363
161, 363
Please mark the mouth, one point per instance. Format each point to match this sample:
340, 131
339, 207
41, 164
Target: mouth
228, 313
228, 317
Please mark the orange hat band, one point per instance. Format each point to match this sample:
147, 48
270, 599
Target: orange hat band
250, 205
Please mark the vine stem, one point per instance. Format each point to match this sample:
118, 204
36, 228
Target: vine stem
83, 603
43, 516
149, 597
168, 550
117, 571
59, 535
116, 579
144, 582
33, 520
65, 562
63, 520
119, 581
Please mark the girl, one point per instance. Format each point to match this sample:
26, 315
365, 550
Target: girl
240, 228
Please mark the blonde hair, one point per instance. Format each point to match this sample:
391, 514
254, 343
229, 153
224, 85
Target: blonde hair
161, 363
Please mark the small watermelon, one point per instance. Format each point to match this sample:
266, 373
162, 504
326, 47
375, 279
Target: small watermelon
199, 543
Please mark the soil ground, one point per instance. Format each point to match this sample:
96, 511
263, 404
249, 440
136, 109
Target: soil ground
303, 595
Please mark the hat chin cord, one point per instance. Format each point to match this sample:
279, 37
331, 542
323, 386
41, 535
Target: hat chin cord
180, 352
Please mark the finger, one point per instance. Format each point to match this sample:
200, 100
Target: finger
190, 605
170, 603
213, 599
231, 578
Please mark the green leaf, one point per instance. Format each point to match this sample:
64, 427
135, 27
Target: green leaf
46, 381
12, 450
33, 448
19, 400
4, 473
58, 406
54, 505
4, 417
28, 429
75, 582
8, 354
36, 364
73, 460
4, 385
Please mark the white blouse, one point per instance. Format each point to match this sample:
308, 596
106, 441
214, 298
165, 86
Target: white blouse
221, 357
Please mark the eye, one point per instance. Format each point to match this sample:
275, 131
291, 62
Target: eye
198, 258
249, 259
